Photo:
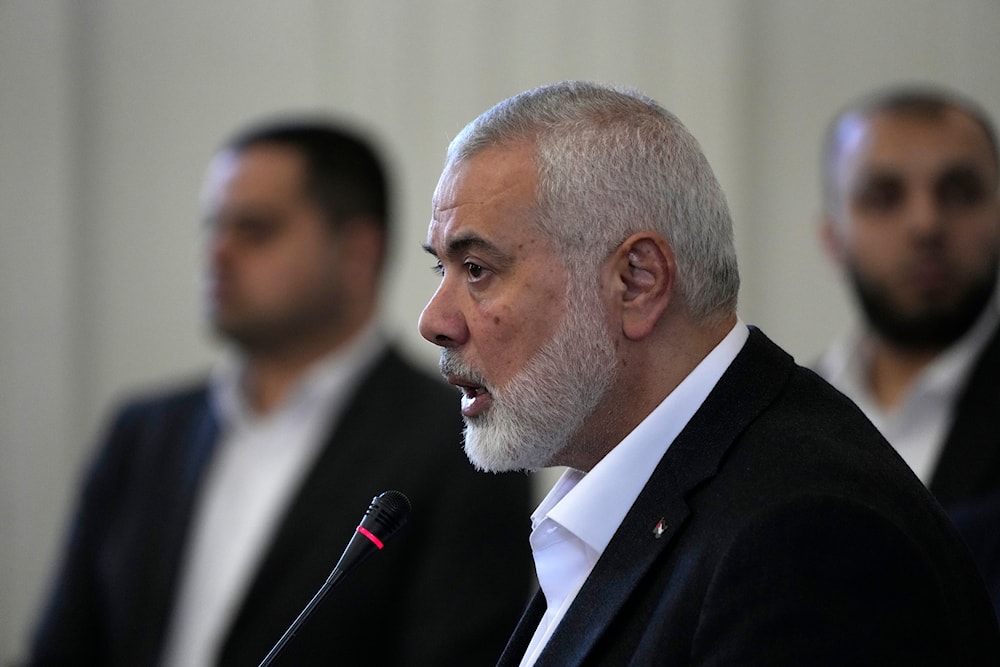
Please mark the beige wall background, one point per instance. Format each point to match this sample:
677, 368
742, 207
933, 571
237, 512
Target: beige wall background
109, 110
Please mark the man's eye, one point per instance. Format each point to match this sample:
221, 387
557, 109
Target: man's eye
438, 269
256, 230
961, 191
880, 197
258, 233
475, 271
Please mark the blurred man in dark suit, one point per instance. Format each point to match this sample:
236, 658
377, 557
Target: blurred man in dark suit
912, 216
212, 513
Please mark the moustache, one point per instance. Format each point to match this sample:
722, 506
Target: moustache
451, 365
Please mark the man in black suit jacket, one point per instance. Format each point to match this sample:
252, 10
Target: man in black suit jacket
721, 505
212, 514
912, 217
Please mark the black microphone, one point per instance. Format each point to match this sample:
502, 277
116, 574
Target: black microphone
385, 516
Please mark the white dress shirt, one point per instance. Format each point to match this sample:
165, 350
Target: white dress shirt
257, 466
577, 519
918, 425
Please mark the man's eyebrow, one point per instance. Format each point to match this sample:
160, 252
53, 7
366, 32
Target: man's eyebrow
882, 173
461, 244
964, 168
872, 175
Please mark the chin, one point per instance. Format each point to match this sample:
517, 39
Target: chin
492, 451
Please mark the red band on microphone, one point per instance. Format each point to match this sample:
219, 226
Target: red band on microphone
371, 536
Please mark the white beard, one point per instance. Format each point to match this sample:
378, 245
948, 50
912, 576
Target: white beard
535, 415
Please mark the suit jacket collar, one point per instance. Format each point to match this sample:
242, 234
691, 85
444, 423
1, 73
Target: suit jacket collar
180, 476
970, 458
310, 512
747, 388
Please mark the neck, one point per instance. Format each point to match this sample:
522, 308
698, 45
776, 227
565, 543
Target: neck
271, 373
893, 371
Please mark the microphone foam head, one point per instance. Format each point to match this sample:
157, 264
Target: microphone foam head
387, 513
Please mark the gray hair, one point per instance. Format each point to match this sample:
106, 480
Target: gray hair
612, 162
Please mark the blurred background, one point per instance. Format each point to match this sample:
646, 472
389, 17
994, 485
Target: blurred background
109, 110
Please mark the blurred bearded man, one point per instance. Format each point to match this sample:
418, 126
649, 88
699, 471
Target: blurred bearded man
912, 217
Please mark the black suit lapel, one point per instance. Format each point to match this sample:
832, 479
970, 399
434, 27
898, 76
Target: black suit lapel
317, 505
325, 509
970, 460
173, 482
524, 631
748, 387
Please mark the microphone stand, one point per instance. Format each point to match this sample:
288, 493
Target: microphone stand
385, 516
331, 581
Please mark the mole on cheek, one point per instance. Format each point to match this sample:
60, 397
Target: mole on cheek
496, 319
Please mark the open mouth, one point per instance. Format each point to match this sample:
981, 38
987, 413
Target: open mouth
471, 391
475, 397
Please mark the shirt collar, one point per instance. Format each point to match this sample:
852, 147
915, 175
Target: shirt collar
846, 364
593, 505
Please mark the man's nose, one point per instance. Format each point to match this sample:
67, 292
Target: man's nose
441, 322
925, 216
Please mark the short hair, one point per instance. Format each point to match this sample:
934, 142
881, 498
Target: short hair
344, 173
612, 162
917, 101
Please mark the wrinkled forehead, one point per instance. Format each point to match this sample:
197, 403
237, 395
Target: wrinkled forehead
495, 181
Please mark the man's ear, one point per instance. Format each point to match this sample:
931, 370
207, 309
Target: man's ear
644, 273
